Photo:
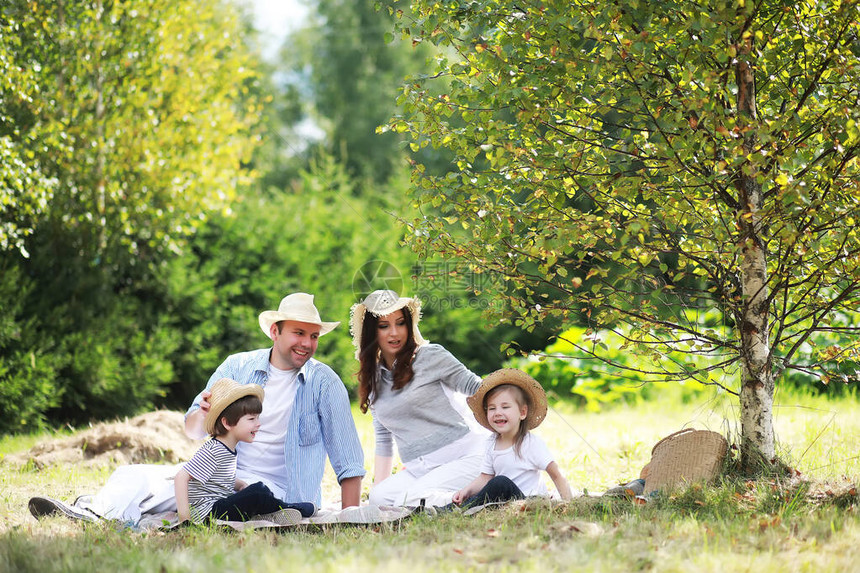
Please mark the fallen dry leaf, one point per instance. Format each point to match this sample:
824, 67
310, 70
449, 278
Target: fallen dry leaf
577, 528
764, 523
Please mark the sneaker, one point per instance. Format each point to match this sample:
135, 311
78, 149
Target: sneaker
425, 509
286, 516
448, 508
44, 506
630, 489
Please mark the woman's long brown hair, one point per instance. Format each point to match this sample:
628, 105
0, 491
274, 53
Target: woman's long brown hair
368, 356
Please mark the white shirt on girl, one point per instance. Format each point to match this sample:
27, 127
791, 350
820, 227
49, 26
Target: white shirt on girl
523, 469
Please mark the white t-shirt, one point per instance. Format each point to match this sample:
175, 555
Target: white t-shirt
524, 469
263, 458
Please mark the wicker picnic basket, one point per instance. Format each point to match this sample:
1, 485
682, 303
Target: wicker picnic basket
686, 456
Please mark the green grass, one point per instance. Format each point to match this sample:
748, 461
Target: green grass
809, 524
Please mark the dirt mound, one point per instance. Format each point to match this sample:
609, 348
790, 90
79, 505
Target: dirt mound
151, 437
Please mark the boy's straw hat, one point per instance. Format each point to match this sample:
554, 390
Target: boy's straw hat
224, 392
382, 303
298, 306
534, 394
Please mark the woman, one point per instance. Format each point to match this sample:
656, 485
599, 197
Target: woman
415, 391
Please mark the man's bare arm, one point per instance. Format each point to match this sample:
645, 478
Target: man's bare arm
350, 492
194, 421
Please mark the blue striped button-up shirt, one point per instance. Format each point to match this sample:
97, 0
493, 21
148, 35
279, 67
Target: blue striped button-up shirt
321, 423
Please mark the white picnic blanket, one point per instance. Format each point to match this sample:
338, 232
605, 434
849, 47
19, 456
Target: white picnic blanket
142, 497
365, 514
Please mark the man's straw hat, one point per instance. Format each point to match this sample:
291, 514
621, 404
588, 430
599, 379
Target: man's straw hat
298, 306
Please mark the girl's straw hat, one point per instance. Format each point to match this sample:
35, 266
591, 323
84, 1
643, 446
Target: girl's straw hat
224, 392
533, 391
298, 306
382, 303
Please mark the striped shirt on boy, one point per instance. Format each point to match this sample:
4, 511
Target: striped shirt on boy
213, 473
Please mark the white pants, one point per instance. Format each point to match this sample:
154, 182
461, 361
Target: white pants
435, 477
133, 490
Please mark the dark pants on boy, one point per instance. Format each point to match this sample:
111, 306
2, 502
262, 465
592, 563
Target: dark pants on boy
254, 500
499, 488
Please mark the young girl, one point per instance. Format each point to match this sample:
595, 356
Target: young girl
207, 487
510, 403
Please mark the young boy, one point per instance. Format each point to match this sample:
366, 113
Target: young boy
206, 486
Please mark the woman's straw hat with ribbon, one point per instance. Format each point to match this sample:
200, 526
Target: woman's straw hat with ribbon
299, 307
224, 392
535, 396
382, 303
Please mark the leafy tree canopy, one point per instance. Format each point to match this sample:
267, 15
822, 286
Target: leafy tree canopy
123, 126
633, 165
133, 111
24, 187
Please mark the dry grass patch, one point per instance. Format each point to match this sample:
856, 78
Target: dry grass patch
151, 437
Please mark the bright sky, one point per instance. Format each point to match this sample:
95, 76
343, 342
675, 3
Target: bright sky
275, 19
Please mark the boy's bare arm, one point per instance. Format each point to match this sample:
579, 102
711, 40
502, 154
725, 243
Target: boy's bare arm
180, 486
559, 480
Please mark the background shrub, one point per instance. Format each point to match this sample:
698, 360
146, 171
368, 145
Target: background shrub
27, 362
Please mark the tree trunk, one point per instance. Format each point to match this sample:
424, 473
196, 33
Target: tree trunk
101, 160
757, 382
757, 378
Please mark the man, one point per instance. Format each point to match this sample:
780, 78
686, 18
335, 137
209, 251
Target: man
306, 413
